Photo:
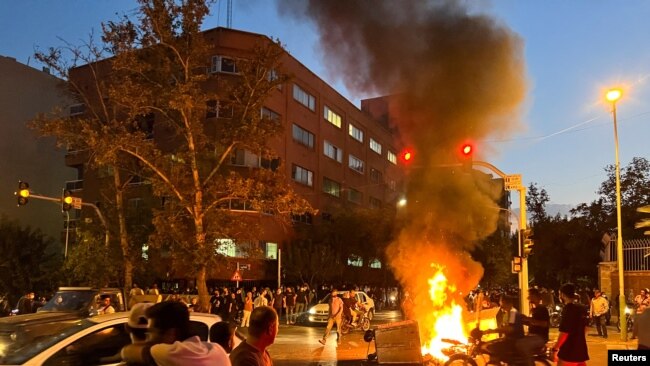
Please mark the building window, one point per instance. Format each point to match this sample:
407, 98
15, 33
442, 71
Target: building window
376, 176
375, 263
375, 146
223, 64
271, 250
355, 196
374, 202
355, 261
270, 115
356, 133
304, 98
303, 219
332, 151
332, 117
302, 175
331, 187
355, 163
303, 136
391, 157
243, 157
77, 109
225, 247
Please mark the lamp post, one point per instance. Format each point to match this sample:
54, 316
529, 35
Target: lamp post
612, 96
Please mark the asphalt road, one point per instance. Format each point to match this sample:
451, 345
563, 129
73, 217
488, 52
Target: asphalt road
298, 345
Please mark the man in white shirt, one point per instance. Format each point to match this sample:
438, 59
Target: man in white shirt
106, 307
597, 311
170, 342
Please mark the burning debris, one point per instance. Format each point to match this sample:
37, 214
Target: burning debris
455, 75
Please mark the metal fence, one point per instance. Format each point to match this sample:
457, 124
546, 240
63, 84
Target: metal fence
636, 254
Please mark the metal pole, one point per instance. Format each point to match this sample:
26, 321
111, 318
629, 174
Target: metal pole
279, 267
67, 233
619, 236
237, 283
523, 286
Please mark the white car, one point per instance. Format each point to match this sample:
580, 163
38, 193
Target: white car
41, 339
319, 313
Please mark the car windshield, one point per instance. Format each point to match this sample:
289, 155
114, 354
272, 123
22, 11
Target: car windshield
69, 301
19, 342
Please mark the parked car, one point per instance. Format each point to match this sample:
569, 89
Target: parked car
319, 313
82, 301
31, 340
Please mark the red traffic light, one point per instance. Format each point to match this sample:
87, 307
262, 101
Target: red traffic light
467, 149
406, 156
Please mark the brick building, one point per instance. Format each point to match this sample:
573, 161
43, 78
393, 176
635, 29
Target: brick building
334, 152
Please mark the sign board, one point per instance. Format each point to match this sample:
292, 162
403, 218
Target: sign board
236, 276
76, 203
512, 182
245, 267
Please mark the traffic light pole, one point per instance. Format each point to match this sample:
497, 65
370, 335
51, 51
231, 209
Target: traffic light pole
97, 211
523, 275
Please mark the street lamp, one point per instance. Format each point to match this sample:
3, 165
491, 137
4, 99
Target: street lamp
613, 95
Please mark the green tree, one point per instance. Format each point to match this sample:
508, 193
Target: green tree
30, 261
156, 81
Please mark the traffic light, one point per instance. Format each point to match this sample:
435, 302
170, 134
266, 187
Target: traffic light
526, 242
466, 155
645, 222
66, 200
22, 195
406, 156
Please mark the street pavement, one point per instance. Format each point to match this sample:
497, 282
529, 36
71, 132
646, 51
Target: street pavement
298, 345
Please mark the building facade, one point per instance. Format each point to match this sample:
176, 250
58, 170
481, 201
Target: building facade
335, 153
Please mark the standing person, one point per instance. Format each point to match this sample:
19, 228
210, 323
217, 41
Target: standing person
170, 342
153, 290
302, 299
215, 302
278, 303
264, 325
26, 304
248, 309
261, 300
223, 333
290, 301
335, 316
641, 302
538, 324
233, 307
571, 346
597, 311
135, 291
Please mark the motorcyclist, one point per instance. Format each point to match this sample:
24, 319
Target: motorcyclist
538, 324
348, 304
356, 309
510, 325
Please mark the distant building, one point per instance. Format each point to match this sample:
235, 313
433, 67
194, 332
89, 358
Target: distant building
25, 92
334, 152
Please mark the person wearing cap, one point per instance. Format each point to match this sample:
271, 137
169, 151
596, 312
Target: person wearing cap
571, 345
335, 317
106, 307
170, 342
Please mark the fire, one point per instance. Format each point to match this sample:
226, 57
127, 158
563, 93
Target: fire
445, 320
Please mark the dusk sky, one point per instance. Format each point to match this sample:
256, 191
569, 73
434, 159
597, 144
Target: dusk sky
574, 51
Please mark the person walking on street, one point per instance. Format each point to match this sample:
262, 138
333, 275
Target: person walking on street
571, 346
597, 311
290, 301
335, 317
278, 303
302, 299
264, 326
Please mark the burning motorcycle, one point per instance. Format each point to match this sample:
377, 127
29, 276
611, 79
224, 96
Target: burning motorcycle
466, 354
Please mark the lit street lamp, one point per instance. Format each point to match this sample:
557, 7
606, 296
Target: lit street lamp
612, 96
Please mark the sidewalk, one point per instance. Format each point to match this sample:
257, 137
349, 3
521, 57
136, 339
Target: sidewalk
598, 346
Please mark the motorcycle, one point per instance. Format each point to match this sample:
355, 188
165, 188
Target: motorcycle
363, 322
466, 354
555, 314
629, 320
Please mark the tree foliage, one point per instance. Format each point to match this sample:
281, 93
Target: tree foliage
156, 82
30, 261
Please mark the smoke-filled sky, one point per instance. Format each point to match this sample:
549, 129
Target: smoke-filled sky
573, 51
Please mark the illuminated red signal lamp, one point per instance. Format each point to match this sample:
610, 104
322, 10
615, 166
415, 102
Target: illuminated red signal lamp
467, 149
